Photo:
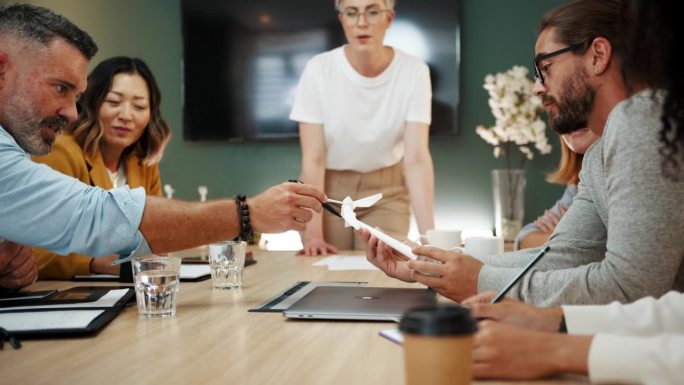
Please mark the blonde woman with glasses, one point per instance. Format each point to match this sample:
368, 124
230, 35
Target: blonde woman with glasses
118, 139
364, 115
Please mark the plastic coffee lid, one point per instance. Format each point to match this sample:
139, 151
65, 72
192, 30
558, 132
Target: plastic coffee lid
442, 320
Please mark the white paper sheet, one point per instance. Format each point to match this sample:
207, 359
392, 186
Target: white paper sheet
346, 262
48, 320
194, 270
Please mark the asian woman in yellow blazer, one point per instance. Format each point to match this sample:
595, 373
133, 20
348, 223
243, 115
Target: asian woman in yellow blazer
118, 139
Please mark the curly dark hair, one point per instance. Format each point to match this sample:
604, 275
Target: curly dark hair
656, 60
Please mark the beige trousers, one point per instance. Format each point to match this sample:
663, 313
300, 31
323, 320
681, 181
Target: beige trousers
391, 213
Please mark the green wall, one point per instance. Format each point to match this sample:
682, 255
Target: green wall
495, 35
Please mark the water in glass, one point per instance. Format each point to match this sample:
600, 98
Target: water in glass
156, 291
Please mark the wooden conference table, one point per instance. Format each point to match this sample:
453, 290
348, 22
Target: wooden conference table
214, 340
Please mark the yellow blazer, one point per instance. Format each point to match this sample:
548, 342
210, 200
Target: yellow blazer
68, 158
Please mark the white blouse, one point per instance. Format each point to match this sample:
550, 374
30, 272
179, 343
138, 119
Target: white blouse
641, 342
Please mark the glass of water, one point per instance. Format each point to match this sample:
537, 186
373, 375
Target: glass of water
226, 260
157, 281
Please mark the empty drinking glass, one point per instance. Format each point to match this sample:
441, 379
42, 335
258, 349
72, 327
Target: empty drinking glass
226, 260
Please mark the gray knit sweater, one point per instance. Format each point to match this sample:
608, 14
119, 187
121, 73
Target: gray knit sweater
623, 237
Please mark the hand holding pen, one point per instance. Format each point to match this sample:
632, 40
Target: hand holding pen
287, 206
313, 242
495, 306
513, 312
499, 296
325, 203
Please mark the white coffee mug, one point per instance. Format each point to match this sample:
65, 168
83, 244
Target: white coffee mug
443, 239
480, 247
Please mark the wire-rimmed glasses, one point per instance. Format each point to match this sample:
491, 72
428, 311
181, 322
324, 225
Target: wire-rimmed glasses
351, 16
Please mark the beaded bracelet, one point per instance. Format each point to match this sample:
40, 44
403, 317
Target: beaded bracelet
246, 233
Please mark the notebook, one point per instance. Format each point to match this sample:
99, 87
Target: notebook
359, 303
76, 311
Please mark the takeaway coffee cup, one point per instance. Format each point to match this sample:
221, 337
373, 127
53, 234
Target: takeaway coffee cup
438, 345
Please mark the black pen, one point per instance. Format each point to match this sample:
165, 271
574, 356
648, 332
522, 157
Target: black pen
326, 205
501, 294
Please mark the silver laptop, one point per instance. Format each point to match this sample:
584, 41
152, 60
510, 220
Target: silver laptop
359, 303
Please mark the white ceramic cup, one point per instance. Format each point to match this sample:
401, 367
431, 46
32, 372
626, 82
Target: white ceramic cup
443, 239
480, 247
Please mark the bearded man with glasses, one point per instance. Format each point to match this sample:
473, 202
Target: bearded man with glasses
621, 238
364, 111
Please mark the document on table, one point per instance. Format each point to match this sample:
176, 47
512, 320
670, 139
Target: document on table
194, 270
346, 262
79, 310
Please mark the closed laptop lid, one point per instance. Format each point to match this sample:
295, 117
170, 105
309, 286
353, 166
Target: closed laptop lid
359, 303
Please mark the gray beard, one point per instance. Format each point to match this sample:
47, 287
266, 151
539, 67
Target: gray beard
31, 141
27, 131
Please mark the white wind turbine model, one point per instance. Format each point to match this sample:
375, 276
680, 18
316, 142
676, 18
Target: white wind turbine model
363, 202
348, 206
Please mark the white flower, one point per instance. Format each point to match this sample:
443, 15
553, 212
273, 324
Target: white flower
526, 150
516, 113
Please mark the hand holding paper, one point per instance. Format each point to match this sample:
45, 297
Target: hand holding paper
386, 258
350, 220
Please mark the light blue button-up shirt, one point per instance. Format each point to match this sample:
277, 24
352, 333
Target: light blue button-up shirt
41, 207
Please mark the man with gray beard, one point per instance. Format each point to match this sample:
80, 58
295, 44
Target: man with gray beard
43, 67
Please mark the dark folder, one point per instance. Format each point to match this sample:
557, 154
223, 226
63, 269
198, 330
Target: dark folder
76, 311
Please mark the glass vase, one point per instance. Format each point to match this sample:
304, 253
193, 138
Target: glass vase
508, 186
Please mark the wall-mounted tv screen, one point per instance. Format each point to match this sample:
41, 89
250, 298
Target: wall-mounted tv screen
242, 60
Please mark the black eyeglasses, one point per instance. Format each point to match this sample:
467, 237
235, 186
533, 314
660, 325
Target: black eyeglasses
538, 72
5, 335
